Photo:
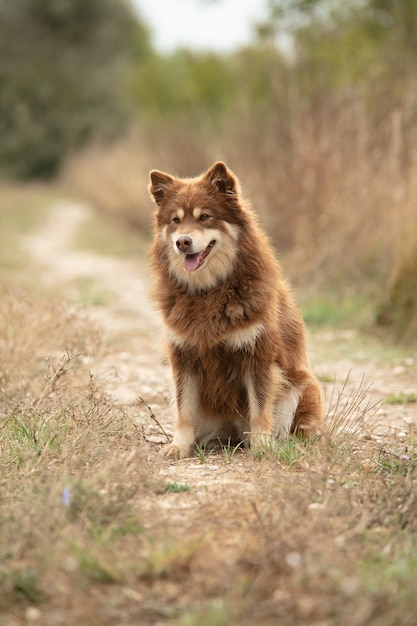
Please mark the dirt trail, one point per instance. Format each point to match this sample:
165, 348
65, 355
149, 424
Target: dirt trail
127, 313
137, 368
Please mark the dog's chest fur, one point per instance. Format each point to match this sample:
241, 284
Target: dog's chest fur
232, 314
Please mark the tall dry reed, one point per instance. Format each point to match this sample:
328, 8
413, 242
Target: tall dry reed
334, 186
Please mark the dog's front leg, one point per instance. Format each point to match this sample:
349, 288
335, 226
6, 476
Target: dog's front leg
187, 395
262, 390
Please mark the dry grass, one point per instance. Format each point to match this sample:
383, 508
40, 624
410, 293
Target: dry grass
94, 532
98, 529
334, 189
115, 181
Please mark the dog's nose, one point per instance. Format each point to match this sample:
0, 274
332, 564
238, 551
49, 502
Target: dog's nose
184, 242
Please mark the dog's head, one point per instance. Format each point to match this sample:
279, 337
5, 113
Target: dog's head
199, 221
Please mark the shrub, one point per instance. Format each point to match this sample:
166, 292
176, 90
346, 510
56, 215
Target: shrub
62, 79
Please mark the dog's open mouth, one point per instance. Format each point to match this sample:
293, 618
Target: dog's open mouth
194, 261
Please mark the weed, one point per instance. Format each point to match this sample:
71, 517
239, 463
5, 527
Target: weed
175, 487
169, 556
326, 378
21, 586
350, 412
92, 562
29, 440
393, 463
401, 398
201, 451
229, 449
285, 451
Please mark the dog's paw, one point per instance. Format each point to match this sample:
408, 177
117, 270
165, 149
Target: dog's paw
259, 443
177, 452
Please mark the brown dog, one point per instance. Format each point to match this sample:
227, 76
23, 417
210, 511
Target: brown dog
236, 340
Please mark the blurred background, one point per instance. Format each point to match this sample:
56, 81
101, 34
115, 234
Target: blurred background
313, 104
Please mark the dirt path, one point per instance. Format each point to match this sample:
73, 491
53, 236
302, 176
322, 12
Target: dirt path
127, 318
135, 368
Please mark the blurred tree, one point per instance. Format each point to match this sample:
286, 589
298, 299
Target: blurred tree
196, 85
63, 66
383, 33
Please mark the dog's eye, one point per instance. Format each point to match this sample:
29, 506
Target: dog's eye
176, 220
204, 217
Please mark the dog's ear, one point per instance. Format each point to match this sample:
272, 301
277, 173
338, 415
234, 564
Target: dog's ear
222, 179
159, 185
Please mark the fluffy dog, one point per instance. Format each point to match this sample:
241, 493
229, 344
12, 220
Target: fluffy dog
236, 340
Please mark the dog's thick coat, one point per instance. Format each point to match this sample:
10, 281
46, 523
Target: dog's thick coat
236, 340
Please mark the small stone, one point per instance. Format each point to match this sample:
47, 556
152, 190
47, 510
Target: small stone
293, 559
32, 614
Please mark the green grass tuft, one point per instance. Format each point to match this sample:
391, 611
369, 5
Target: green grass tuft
401, 398
175, 487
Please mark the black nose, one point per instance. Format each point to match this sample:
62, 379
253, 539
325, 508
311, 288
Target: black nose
184, 242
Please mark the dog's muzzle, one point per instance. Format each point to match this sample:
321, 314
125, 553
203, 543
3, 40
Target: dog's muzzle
192, 260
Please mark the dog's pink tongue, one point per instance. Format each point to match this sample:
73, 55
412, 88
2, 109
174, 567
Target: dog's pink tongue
192, 261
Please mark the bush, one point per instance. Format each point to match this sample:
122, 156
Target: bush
62, 75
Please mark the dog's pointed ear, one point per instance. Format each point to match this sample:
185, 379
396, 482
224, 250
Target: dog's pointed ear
222, 179
159, 185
